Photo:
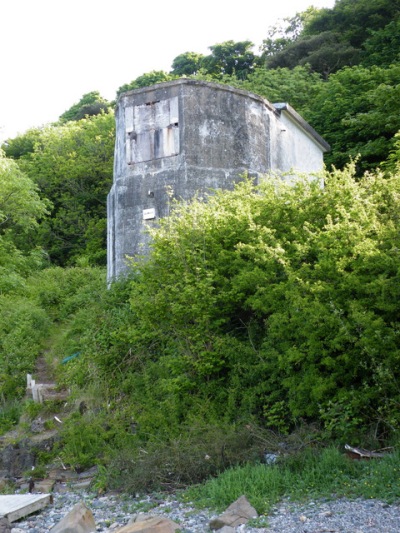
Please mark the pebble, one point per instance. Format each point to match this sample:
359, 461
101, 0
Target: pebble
317, 516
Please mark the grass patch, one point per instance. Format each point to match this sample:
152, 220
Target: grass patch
10, 411
311, 474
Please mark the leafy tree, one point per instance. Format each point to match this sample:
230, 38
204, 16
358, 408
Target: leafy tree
20, 204
20, 210
353, 19
382, 48
325, 53
89, 105
145, 80
284, 33
23, 144
357, 112
329, 39
230, 58
72, 165
298, 86
186, 64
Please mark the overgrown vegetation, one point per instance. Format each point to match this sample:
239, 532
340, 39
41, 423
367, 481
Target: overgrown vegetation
327, 473
278, 301
276, 304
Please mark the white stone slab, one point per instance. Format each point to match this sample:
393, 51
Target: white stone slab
16, 506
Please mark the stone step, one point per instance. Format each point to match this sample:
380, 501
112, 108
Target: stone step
41, 392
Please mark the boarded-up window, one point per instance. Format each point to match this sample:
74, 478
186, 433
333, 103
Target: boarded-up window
152, 130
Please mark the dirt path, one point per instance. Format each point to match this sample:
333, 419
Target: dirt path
42, 372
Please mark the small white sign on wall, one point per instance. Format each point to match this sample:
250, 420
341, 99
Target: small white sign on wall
148, 214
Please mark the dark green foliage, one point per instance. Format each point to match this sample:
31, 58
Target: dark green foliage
230, 58
354, 19
277, 301
324, 53
150, 78
383, 47
357, 112
10, 412
89, 105
72, 165
186, 64
330, 39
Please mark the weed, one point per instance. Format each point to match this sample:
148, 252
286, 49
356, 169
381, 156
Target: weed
260, 521
198, 453
10, 412
307, 474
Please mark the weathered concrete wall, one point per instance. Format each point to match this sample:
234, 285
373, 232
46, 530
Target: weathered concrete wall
294, 144
186, 137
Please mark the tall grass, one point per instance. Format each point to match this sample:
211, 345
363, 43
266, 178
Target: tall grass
307, 475
10, 411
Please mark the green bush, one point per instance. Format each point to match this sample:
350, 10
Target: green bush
279, 300
10, 411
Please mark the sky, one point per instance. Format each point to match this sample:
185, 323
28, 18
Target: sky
55, 51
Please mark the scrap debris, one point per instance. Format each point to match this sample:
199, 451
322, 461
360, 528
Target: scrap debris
361, 453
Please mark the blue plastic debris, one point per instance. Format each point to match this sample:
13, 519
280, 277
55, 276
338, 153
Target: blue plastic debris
70, 357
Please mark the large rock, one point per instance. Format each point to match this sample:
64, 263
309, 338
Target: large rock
239, 512
152, 524
79, 520
17, 458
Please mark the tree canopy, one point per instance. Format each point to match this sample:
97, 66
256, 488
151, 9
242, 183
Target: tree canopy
330, 39
72, 166
187, 64
89, 105
229, 58
21, 209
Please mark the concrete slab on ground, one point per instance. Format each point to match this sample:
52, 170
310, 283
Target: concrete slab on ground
16, 506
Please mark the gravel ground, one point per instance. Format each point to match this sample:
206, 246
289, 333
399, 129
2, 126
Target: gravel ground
318, 516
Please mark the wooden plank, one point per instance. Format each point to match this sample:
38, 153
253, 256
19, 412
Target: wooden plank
16, 506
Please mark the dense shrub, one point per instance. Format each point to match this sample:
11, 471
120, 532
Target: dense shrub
279, 300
